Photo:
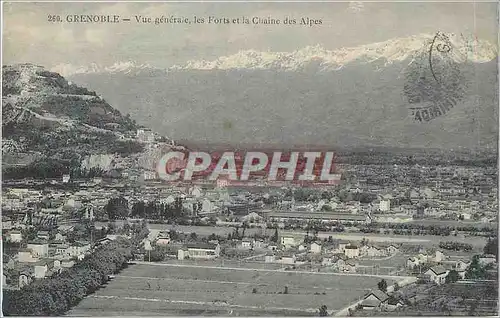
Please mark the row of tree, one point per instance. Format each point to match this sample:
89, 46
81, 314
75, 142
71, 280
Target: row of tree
159, 211
455, 246
118, 208
56, 295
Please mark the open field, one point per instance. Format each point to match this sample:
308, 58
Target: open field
423, 240
220, 262
454, 223
177, 290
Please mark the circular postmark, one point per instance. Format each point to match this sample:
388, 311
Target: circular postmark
435, 81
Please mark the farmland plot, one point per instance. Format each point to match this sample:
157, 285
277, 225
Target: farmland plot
165, 290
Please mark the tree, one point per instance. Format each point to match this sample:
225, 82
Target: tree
212, 237
193, 236
286, 290
382, 285
475, 270
56, 295
491, 247
472, 308
452, 276
323, 312
274, 238
156, 255
326, 207
254, 290
117, 208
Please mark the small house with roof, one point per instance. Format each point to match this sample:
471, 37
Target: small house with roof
315, 248
163, 238
392, 303
437, 274
246, 243
374, 300
26, 276
392, 249
370, 251
269, 258
78, 249
461, 265
412, 262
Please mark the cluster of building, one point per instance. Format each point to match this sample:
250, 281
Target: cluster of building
41, 257
462, 192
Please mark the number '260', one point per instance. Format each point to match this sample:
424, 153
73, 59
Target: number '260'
54, 18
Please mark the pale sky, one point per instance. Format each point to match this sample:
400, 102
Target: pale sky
29, 37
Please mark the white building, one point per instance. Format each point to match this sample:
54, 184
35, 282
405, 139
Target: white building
315, 248
15, 236
199, 251
385, 205
66, 178
351, 251
288, 241
270, 259
196, 191
149, 175
41, 270
207, 207
246, 243
439, 257
466, 216
370, 251
39, 249
145, 135
26, 256
288, 259
78, 249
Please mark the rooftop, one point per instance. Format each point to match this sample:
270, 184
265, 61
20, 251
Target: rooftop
206, 246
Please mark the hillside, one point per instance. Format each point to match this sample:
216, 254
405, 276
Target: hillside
48, 119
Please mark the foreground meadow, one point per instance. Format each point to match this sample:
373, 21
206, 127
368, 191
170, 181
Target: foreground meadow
164, 290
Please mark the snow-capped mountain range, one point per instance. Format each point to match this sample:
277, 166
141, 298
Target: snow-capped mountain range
462, 49
128, 67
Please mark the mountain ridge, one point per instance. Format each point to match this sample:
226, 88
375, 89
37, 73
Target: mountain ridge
390, 51
358, 105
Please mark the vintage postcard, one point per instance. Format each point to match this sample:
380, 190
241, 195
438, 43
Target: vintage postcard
250, 158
